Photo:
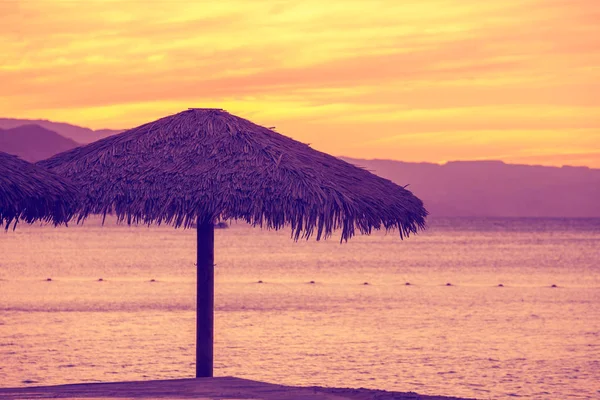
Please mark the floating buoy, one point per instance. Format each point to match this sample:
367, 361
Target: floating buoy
311, 282
152, 280
448, 284
553, 285
366, 283
500, 285
48, 279
259, 282
100, 280
407, 284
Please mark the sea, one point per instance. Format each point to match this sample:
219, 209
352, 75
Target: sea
486, 308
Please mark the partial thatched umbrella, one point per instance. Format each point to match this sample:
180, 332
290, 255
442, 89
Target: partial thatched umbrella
30, 193
203, 165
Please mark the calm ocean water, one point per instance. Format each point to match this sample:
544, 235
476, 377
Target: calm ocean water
473, 338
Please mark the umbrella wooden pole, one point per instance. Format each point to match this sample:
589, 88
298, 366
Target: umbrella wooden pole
205, 285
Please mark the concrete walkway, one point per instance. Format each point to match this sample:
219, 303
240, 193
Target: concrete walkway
203, 388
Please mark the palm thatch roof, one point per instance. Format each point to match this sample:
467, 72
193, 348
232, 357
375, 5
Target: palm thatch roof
208, 164
29, 193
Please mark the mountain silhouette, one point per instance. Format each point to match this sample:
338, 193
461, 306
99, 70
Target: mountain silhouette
33, 143
74, 132
494, 188
458, 188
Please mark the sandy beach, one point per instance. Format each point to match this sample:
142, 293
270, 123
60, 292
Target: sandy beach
204, 388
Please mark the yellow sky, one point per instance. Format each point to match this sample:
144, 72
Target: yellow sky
426, 80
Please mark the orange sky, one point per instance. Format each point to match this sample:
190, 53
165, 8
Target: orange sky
415, 80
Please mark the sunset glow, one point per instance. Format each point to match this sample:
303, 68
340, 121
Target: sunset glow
430, 80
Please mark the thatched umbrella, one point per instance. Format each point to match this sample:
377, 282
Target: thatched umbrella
30, 193
203, 165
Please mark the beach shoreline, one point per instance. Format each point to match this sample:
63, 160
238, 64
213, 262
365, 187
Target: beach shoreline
204, 388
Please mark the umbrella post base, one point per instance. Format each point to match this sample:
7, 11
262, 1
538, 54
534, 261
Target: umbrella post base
205, 299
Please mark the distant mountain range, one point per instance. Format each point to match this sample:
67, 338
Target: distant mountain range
73, 132
495, 189
459, 188
33, 143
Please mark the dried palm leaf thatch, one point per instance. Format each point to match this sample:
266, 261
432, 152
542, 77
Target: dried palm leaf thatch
207, 165
29, 193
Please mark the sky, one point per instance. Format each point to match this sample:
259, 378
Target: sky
419, 80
